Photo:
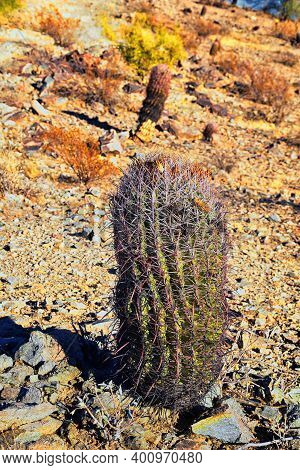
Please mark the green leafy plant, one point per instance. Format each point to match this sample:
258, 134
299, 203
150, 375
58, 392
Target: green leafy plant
171, 241
7, 6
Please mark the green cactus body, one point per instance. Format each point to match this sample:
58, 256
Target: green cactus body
171, 241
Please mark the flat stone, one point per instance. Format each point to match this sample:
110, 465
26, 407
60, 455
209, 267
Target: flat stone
6, 362
40, 109
15, 416
110, 143
228, 426
34, 431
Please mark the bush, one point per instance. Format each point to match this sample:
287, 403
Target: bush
146, 44
7, 6
59, 28
170, 241
80, 153
290, 9
287, 29
262, 83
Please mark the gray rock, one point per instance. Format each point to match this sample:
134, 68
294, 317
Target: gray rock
15, 416
33, 396
6, 362
40, 348
271, 413
275, 218
47, 367
208, 400
228, 426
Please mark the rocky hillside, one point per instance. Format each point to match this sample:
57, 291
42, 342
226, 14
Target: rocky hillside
64, 85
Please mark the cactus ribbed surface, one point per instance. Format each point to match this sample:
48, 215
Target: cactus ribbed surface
170, 241
156, 94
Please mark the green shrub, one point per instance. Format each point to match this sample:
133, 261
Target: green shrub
145, 43
6, 6
290, 9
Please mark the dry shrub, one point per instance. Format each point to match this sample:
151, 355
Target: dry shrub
262, 83
93, 79
229, 62
268, 87
61, 29
205, 27
287, 29
80, 153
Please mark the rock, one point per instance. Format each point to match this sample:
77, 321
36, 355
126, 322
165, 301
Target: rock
228, 426
40, 348
208, 400
15, 416
40, 109
48, 443
31, 170
33, 396
65, 375
46, 368
16, 375
294, 416
110, 143
275, 218
101, 326
10, 393
293, 396
271, 413
6, 362
34, 431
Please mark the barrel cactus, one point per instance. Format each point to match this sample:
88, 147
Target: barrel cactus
157, 92
170, 243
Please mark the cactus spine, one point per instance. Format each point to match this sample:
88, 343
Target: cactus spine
170, 242
156, 94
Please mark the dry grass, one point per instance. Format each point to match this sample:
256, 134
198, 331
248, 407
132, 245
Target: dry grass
61, 29
287, 29
79, 153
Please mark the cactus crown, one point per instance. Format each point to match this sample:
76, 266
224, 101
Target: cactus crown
170, 241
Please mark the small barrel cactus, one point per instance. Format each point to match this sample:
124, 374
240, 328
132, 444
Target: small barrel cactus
170, 241
156, 94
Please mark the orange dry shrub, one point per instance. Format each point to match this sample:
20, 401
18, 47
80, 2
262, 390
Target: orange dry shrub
268, 87
287, 29
205, 27
80, 153
51, 22
263, 84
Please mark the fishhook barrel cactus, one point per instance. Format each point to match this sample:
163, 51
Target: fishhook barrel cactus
157, 92
170, 242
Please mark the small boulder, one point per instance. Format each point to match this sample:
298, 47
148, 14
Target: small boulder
6, 362
227, 426
39, 349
